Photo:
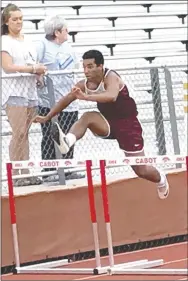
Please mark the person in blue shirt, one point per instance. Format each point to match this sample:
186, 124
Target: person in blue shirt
56, 53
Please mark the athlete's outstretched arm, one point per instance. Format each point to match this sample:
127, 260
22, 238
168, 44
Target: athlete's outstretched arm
61, 105
109, 95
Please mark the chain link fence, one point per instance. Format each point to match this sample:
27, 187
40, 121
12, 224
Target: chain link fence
158, 92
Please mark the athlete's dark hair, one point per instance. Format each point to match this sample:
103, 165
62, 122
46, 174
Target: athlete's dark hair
94, 54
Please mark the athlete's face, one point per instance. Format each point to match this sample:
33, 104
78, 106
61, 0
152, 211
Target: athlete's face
91, 70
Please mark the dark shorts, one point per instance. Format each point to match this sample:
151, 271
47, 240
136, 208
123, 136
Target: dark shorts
128, 133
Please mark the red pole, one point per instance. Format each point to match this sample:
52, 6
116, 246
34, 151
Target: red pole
106, 211
93, 213
104, 191
11, 193
13, 213
91, 192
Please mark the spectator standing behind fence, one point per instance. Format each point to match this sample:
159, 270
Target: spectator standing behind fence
55, 51
19, 95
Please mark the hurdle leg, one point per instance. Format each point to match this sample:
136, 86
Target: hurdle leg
106, 212
13, 214
93, 212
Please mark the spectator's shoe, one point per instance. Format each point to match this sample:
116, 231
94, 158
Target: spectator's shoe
51, 178
46, 176
21, 182
59, 138
163, 189
35, 181
73, 176
27, 181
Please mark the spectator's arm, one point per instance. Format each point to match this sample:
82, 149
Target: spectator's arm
9, 67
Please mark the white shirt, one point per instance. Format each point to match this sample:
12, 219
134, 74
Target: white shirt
100, 87
57, 57
22, 53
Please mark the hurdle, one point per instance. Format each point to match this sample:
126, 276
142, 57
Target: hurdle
59, 267
55, 267
149, 267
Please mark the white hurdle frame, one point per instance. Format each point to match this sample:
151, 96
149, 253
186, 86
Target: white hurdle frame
137, 267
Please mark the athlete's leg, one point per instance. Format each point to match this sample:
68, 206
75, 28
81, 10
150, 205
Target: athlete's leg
128, 133
152, 174
89, 120
144, 171
93, 121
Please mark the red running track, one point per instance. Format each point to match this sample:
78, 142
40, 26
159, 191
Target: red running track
174, 256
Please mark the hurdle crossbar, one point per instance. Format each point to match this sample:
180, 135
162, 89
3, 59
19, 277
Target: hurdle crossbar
73, 163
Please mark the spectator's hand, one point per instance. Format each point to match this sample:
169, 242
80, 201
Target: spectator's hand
40, 68
40, 119
77, 92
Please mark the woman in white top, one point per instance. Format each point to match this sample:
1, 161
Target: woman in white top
19, 94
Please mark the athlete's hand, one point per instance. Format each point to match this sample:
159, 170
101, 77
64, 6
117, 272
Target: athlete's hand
77, 92
40, 119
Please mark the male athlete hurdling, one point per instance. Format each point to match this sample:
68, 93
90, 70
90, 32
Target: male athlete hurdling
116, 119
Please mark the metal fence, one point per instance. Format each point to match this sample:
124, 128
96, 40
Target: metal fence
158, 92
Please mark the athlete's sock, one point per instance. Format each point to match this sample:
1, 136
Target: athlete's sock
163, 186
162, 180
71, 138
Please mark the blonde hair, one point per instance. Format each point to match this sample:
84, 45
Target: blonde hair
5, 17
